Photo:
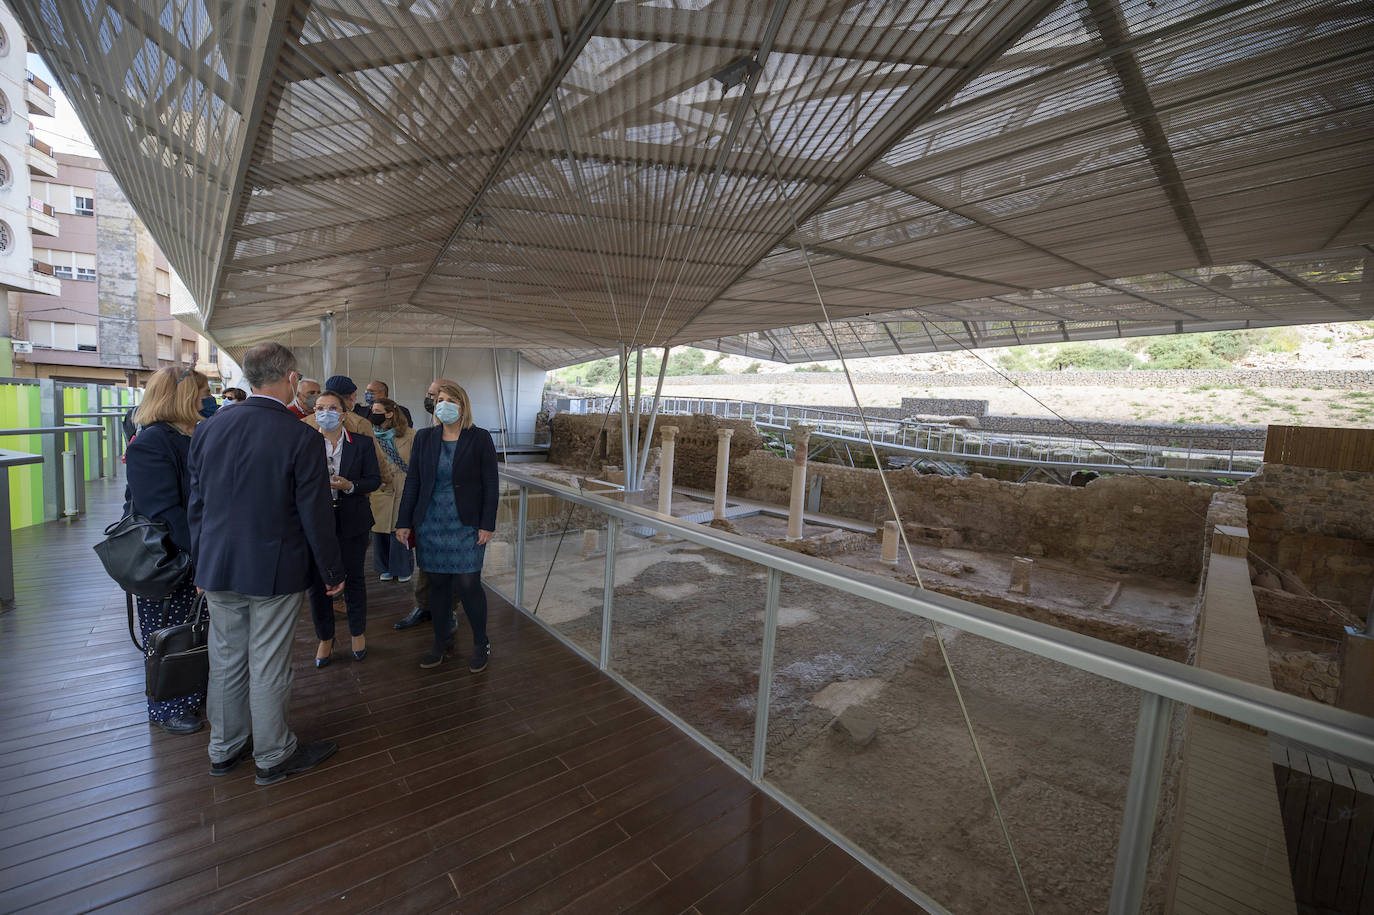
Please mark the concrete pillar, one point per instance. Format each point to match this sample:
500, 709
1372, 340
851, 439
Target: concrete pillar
722, 471
801, 443
668, 444
1021, 575
589, 537
891, 537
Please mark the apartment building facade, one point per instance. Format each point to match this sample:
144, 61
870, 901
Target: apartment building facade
22, 157
110, 320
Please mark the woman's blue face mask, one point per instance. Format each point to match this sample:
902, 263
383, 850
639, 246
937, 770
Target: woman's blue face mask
329, 420
208, 405
447, 412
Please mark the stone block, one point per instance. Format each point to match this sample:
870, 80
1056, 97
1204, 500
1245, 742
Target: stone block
1021, 575
856, 726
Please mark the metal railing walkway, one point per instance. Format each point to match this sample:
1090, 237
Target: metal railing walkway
1187, 457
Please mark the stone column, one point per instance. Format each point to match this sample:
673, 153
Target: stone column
668, 444
589, 540
801, 444
891, 537
722, 471
1021, 575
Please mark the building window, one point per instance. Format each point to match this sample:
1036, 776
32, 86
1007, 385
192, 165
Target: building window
4, 108
214, 354
6, 238
62, 271
188, 352
4, 42
64, 336
86, 273
164, 347
84, 206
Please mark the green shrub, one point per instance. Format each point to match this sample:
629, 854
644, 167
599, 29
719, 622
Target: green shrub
1183, 352
1089, 358
753, 368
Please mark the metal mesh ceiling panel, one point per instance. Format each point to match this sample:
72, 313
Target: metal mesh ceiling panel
566, 175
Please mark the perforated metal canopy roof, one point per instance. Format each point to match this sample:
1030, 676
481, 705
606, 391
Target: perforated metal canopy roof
561, 175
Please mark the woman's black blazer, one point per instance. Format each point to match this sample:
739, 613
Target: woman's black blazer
474, 478
357, 464
155, 465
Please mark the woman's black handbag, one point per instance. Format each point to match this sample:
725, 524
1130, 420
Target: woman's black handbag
139, 555
176, 660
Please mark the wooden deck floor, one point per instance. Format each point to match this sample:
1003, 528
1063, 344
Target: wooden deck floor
538, 786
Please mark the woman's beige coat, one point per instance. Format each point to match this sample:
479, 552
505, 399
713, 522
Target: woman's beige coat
386, 502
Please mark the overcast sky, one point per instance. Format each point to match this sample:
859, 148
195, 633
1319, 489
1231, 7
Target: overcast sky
63, 132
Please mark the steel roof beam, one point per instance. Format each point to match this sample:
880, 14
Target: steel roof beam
1104, 17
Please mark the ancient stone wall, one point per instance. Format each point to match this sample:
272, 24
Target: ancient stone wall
1145, 525
1317, 524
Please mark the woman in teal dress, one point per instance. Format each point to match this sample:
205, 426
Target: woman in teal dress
448, 509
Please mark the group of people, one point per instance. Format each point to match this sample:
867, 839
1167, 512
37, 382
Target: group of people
275, 500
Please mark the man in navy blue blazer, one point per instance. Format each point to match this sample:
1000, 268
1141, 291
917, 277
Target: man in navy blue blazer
261, 518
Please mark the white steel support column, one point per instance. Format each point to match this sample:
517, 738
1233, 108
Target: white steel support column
722, 470
801, 442
327, 346
625, 413
653, 416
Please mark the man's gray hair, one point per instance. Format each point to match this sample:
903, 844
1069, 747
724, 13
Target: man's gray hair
304, 380
267, 363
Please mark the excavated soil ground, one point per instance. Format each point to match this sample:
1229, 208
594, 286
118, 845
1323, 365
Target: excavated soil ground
865, 728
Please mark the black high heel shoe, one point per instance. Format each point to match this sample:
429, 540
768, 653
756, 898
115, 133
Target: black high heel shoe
324, 661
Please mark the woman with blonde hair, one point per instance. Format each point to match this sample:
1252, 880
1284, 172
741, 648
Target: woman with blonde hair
448, 510
396, 438
175, 401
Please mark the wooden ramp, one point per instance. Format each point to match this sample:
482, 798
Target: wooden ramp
1230, 854
538, 786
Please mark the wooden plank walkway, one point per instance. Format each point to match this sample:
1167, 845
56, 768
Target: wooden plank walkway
1230, 849
538, 786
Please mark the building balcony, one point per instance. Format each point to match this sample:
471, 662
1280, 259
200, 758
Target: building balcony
42, 218
42, 279
38, 96
39, 156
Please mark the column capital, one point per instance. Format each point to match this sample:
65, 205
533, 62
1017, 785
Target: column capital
802, 430
724, 432
669, 433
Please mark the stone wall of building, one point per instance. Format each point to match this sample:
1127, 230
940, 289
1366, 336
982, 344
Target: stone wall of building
1318, 525
1131, 524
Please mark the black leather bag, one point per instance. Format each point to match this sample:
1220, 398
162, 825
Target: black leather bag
176, 660
139, 555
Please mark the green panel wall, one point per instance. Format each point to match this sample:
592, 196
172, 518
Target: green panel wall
19, 408
77, 400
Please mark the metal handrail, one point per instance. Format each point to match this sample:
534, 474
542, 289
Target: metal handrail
1161, 681
1321, 726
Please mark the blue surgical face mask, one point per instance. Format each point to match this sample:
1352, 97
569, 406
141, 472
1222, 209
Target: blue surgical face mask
386, 434
328, 419
447, 412
369, 397
208, 405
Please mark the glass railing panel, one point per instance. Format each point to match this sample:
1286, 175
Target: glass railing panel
866, 732
563, 556
686, 629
